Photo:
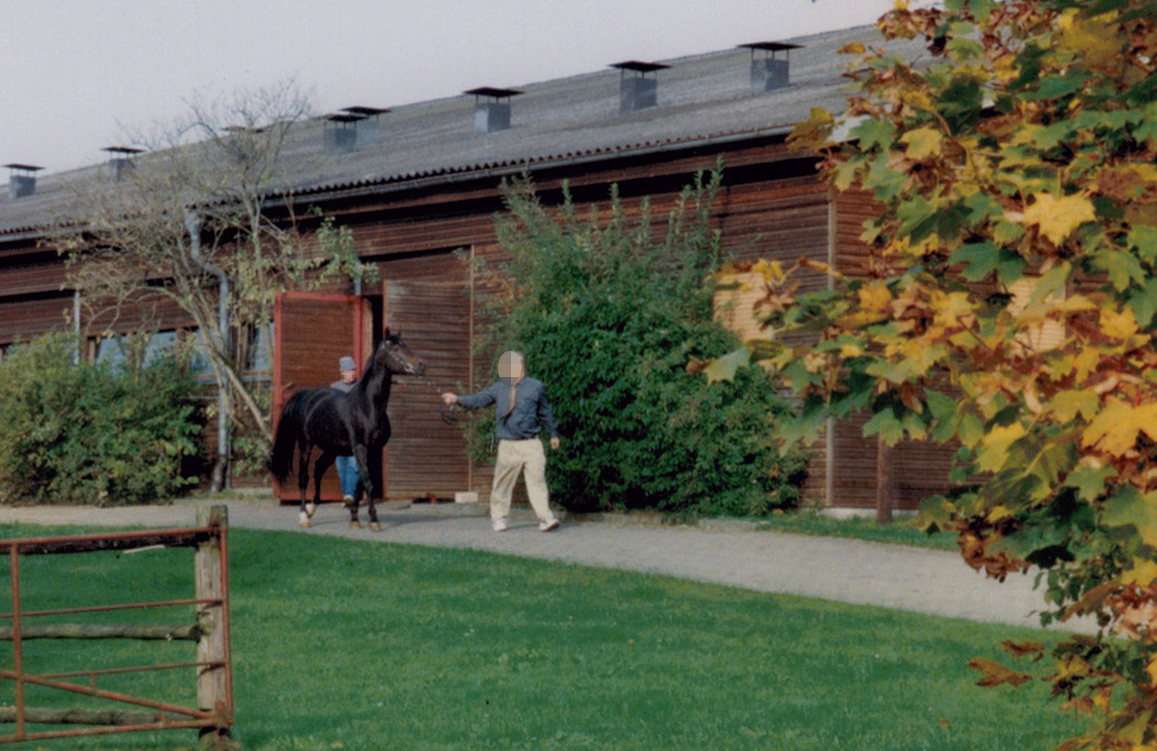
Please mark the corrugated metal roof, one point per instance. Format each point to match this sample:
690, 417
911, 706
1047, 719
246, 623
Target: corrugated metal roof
701, 98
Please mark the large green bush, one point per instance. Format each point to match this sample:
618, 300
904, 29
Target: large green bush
92, 434
609, 312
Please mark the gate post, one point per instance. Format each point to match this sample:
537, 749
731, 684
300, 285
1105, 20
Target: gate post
213, 692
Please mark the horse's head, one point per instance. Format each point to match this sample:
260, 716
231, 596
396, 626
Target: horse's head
395, 356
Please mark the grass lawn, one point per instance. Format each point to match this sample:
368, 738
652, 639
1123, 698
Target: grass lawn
899, 532
354, 645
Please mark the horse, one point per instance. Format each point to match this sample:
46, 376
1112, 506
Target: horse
341, 424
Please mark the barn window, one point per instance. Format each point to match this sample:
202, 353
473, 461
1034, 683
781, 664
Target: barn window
259, 354
116, 350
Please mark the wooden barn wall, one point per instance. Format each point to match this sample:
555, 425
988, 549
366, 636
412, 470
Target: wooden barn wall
23, 319
32, 302
144, 313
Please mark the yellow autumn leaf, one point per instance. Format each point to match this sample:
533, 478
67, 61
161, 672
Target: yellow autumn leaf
994, 452
1115, 429
1066, 405
1058, 217
922, 143
1143, 572
1118, 325
1096, 40
771, 271
1151, 669
952, 308
875, 297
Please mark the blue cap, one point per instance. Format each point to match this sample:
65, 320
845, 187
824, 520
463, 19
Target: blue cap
347, 363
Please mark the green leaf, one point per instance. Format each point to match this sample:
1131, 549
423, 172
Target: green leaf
724, 368
1123, 268
887, 425
1142, 236
1143, 302
872, 133
1129, 507
936, 514
983, 258
1089, 482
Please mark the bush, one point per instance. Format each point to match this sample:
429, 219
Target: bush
92, 434
609, 317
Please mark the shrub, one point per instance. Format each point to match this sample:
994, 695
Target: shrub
609, 315
92, 434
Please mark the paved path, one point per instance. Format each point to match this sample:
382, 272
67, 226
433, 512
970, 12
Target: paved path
891, 576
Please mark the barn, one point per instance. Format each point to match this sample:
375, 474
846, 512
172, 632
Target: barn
418, 185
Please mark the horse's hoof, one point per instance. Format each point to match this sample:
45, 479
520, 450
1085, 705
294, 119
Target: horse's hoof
355, 525
375, 527
303, 521
310, 509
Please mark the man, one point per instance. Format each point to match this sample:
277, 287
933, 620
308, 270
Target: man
522, 412
347, 466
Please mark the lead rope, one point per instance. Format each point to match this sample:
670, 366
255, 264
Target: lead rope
448, 413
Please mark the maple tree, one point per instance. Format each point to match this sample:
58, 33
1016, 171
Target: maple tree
1008, 306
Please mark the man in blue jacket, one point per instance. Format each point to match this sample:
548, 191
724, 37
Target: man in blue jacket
522, 412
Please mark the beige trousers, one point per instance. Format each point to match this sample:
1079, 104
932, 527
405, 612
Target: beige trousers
515, 457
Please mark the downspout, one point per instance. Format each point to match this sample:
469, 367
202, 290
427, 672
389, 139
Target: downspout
76, 329
221, 468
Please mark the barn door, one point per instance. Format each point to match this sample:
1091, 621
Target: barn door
312, 331
426, 457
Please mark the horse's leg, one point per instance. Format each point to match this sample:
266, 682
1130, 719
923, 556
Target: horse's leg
362, 454
322, 464
303, 483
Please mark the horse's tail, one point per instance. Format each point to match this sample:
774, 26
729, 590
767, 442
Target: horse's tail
285, 440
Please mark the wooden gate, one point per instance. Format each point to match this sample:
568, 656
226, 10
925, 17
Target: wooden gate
213, 714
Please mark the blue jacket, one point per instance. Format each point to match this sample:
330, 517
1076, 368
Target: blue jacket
531, 413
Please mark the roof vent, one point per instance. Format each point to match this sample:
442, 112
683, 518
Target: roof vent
367, 127
120, 160
340, 133
769, 72
492, 108
636, 91
22, 180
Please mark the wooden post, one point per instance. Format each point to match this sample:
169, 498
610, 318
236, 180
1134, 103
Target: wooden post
883, 481
212, 682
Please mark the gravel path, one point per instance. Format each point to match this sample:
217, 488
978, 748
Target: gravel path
866, 573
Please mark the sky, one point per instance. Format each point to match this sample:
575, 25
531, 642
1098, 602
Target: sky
77, 76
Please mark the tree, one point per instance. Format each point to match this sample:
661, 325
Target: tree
1009, 306
608, 308
204, 220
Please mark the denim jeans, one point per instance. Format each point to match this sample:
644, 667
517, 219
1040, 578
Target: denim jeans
347, 472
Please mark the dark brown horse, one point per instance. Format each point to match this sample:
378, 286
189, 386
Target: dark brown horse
343, 424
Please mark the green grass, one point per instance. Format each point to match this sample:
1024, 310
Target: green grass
355, 645
899, 532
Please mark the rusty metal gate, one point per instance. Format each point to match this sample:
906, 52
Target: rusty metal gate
212, 664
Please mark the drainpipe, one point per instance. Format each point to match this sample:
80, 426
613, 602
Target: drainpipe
76, 326
220, 469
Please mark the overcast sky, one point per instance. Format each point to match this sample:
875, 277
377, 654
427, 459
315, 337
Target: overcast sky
77, 75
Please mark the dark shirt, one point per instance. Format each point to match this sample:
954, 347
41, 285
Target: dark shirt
343, 386
531, 413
